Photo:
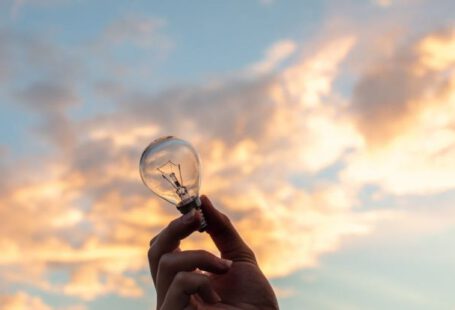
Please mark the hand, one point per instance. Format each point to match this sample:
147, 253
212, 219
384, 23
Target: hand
200, 280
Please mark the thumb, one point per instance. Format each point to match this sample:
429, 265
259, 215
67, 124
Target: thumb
225, 236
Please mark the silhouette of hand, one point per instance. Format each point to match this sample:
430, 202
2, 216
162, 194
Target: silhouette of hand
200, 280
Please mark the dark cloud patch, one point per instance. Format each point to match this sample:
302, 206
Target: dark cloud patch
26, 55
44, 79
59, 130
387, 98
45, 96
383, 99
238, 109
51, 60
50, 99
97, 162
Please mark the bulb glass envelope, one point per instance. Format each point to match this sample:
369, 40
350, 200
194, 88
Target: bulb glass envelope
169, 167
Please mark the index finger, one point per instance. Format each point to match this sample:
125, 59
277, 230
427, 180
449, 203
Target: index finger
169, 238
224, 234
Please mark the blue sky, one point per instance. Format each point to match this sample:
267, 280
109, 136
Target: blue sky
348, 105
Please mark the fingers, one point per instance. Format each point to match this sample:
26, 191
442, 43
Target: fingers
186, 284
169, 238
172, 263
223, 233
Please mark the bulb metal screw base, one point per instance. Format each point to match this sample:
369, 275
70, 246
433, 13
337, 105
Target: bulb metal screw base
195, 203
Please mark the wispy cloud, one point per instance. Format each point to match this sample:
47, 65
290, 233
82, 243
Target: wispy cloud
139, 31
276, 54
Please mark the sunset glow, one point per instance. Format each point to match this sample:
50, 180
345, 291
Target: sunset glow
326, 131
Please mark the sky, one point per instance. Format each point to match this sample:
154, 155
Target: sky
326, 131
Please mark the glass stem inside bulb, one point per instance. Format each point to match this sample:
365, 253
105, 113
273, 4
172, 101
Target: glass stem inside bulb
180, 189
187, 202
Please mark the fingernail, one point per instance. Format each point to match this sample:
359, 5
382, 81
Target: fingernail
189, 217
227, 262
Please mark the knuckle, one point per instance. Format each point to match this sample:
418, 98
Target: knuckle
203, 280
153, 261
204, 257
228, 226
166, 261
181, 278
173, 225
151, 254
152, 241
250, 253
153, 249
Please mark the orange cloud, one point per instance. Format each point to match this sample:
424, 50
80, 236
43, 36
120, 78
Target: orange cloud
436, 51
22, 301
412, 125
90, 214
390, 96
86, 282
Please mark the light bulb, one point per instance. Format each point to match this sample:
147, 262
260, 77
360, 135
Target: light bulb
170, 168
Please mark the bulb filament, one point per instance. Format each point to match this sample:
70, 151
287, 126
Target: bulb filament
169, 174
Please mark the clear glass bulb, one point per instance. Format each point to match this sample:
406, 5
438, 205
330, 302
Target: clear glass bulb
170, 168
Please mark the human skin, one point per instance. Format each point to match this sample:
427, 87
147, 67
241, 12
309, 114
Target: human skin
200, 280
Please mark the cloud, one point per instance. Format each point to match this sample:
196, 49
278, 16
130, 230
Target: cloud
129, 48
51, 100
86, 282
390, 96
405, 111
48, 96
22, 301
274, 56
285, 292
43, 78
435, 50
88, 213
144, 32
